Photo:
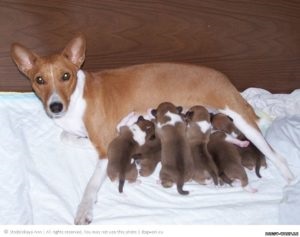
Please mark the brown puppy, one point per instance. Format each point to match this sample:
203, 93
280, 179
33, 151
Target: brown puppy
120, 151
176, 158
148, 155
137, 140
251, 156
198, 132
227, 159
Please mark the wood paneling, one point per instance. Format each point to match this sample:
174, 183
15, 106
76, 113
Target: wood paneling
255, 42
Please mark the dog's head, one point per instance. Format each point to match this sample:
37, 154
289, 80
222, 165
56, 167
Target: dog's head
148, 127
164, 112
54, 77
197, 113
224, 123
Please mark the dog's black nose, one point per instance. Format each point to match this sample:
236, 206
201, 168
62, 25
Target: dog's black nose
56, 107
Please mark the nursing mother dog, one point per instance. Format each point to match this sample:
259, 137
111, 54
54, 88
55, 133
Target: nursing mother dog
93, 103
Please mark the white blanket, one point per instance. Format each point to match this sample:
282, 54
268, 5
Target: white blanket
43, 178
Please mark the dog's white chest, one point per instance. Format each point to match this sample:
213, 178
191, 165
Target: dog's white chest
72, 121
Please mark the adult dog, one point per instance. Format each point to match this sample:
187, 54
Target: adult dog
92, 103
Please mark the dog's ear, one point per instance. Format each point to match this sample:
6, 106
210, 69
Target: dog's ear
179, 109
230, 118
189, 115
211, 115
24, 58
75, 50
154, 112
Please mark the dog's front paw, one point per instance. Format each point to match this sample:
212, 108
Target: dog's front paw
84, 215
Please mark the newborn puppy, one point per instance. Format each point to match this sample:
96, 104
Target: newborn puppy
227, 159
148, 155
251, 156
120, 151
134, 141
176, 158
198, 132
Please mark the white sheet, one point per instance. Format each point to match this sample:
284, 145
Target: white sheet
43, 178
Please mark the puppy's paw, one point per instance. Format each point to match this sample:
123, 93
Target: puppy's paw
244, 143
249, 189
167, 184
144, 172
84, 215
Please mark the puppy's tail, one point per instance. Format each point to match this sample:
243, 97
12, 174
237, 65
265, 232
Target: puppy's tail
257, 166
121, 185
180, 187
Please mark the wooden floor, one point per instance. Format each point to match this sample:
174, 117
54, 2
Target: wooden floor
255, 42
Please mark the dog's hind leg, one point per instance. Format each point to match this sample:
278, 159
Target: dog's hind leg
252, 132
84, 213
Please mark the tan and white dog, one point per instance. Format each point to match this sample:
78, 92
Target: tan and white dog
92, 103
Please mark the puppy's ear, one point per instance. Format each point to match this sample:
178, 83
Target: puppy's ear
24, 58
154, 112
189, 114
211, 115
179, 109
75, 50
230, 119
140, 118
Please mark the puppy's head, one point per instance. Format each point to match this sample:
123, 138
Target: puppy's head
224, 123
54, 77
148, 127
197, 113
164, 111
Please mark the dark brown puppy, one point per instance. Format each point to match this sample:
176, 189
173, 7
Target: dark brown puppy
227, 159
198, 132
120, 151
251, 156
137, 140
149, 154
176, 158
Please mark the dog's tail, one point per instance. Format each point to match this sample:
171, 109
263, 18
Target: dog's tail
121, 185
257, 166
180, 190
181, 171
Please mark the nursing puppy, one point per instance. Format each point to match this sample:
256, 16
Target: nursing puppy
176, 158
228, 160
91, 104
251, 156
134, 141
198, 132
120, 151
148, 155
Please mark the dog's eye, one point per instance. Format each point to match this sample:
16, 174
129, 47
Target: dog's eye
40, 80
66, 76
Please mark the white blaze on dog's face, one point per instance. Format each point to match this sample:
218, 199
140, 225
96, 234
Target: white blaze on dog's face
53, 78
138, 134
174, 118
